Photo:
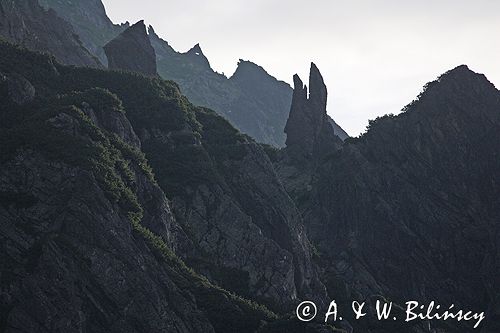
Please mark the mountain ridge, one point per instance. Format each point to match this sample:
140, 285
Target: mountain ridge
260, 113
125, 207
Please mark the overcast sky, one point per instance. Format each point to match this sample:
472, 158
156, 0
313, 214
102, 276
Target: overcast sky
375, 55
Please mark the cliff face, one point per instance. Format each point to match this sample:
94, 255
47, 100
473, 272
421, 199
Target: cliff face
81, 205
72, 247
410, 209
132, 51
89, 21
26, 23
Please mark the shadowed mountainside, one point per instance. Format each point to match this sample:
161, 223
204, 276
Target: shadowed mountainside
26, 23
126, 208
81, 204
409, 210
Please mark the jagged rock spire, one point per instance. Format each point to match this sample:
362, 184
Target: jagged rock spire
196, 55
317, 90
152, 32
196, 49
308, 128
132, 51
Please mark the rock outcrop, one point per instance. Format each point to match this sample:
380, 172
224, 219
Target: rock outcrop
309, 131
17, 89
132, 51
26, 23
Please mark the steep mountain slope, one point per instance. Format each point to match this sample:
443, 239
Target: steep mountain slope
252, 100
80, 204
26, 23
75, 256
90, 22
412, 207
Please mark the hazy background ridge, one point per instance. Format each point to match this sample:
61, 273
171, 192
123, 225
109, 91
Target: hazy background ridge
375, 56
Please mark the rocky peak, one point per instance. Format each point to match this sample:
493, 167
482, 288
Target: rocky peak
248, 70
132, 51
166, 51
153, 35
308, 128
196, 50
195, 54
462, 80
317, 91
462, 91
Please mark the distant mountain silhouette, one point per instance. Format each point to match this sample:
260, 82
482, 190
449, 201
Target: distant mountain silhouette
252, 100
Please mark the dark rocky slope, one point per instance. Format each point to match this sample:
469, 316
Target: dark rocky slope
132, 51
26, 23
80, 206
410, 210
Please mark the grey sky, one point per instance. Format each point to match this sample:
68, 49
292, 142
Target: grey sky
375, 56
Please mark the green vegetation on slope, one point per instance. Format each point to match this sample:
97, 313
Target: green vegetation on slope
55, 125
